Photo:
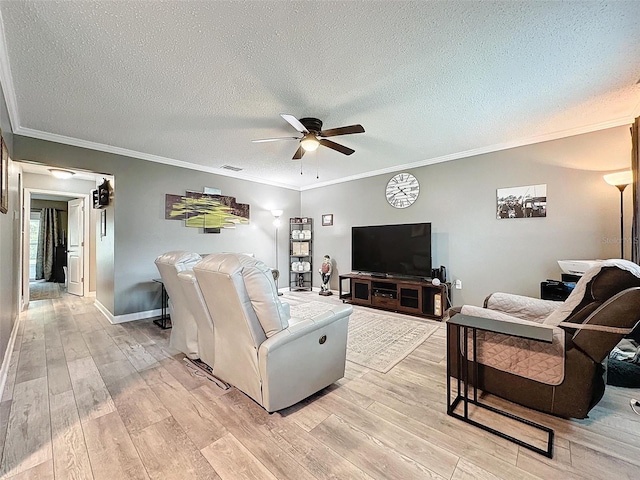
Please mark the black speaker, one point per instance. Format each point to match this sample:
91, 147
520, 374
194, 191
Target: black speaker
443, 274
440, 273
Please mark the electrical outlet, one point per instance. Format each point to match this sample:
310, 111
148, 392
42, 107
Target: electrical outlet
458, 284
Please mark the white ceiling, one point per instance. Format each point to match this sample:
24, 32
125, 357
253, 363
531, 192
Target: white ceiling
191, 83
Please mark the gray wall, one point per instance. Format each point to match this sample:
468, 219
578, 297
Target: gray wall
9, 242
137, 228
459, 199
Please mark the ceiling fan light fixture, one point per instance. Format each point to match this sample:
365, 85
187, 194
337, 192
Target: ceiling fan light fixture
309, 142
61, 173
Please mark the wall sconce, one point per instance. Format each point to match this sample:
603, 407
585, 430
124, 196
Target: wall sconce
620, 180
276, 214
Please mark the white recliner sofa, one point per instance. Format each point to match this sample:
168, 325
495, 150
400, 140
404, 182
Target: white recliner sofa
204, 323
259, 349
184, 332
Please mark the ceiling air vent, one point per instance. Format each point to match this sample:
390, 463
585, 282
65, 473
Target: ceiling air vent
231, 167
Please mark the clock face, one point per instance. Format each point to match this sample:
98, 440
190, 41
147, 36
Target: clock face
402, 190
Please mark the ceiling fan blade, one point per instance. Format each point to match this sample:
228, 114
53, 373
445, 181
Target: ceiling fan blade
262, 140
336, 146
332, 132
299, 153
294, 122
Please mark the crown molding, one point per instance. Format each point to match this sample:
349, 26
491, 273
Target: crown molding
480, 151
52, 137
76, 142
7, 80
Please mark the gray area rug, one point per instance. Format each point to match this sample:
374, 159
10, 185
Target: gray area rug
376, 340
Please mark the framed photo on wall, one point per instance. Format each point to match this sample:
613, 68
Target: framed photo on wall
4, 177
529, 201
327, 219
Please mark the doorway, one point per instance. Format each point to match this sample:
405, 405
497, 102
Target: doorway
46, 244
47, 251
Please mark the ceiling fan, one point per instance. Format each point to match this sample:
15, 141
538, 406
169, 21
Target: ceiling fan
313, 136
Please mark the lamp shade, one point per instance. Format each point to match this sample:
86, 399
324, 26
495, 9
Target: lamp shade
619, 178
276, 213
310, 142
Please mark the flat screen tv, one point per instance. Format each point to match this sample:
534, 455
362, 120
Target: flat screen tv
397, 250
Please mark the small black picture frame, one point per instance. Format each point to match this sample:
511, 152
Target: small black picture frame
327, 219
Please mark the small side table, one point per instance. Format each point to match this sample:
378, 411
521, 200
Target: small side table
344, 295
164, 321
465, 324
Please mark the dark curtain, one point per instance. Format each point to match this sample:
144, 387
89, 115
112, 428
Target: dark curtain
635, 166
47, 242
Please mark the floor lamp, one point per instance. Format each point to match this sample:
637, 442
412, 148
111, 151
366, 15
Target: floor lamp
276, 223
620, 180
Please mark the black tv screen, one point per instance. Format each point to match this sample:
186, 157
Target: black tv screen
401, 250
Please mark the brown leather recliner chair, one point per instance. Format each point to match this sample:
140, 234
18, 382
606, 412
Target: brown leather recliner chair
565, 378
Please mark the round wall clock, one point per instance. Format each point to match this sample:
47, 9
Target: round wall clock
402, 190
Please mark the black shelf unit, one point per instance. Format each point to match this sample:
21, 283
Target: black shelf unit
300, 254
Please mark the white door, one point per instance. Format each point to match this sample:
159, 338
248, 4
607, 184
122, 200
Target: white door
75, 247
26, 247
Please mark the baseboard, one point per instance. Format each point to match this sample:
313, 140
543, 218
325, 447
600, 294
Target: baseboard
4, 370
103, 310
129, 317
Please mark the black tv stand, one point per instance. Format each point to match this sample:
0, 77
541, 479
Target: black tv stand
413, 296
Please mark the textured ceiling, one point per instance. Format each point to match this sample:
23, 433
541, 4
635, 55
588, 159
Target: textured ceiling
193, 82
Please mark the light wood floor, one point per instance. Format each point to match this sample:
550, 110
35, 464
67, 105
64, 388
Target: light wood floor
86, 399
